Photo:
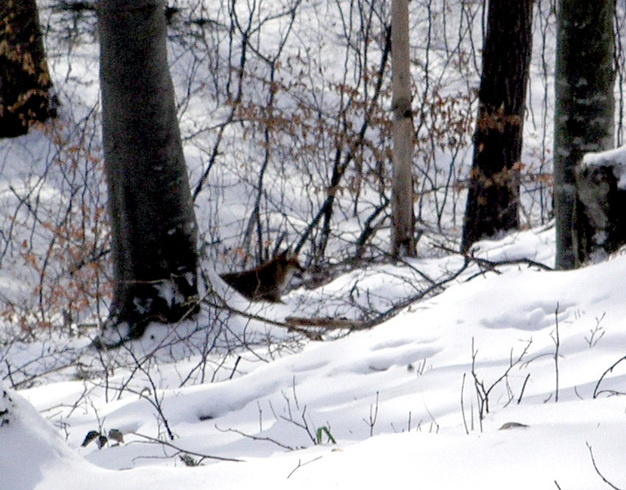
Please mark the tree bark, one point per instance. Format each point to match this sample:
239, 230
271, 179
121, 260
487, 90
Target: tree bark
151, 210
24, 79
493, 195
584, 106
403, 222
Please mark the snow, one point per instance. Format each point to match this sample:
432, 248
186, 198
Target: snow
400, 399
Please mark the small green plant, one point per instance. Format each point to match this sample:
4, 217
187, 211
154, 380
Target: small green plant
189, 460
321, 432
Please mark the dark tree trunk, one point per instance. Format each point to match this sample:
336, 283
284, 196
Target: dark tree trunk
24, 78
584, 106
151, 210
493, 197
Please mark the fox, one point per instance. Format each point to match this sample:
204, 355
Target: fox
266, 282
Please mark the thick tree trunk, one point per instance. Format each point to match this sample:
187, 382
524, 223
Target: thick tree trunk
493, 196
584, 106
24, 78
403, 240
150, 205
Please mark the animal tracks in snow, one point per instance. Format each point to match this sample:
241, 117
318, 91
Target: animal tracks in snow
536, 316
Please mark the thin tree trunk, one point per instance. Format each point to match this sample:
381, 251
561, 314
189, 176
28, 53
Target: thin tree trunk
403, 222
151, 210
493, 196
584, 107
24, 78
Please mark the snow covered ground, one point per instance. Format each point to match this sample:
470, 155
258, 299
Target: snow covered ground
403, 405
504, 376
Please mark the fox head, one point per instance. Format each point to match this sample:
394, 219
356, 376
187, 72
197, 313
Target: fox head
287, 265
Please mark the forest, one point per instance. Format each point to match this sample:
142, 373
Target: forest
442, 177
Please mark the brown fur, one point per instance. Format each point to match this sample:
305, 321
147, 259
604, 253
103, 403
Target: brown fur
266, 282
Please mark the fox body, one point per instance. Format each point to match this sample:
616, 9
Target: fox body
266, 282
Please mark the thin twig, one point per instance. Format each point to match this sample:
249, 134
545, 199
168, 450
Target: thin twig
613, 366
557, 342
257, 438
301, 464
492, 265
595, 467
463, 404
185, 451
519, 399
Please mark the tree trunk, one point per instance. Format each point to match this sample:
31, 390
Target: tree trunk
151, 210
493, 196
403, 223
584, 106
24, 78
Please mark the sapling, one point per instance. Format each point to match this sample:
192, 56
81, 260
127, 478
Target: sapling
596, 333
373, 416
483, 392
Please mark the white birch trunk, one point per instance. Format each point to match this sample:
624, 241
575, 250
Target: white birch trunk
403, 243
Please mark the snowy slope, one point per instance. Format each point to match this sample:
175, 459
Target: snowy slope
399, 400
